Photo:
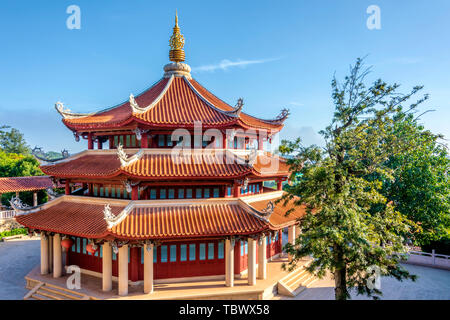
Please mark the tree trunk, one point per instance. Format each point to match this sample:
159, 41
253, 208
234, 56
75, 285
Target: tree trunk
340, 275
340, 284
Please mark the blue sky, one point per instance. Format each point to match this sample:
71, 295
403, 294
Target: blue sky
273, 54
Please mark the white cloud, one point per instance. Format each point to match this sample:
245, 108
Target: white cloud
225, 64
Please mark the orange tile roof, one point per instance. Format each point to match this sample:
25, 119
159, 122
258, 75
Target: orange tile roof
164, 165
247, 120
158, 219
193, 220
180, 105
88, 165
278, 217
80, 218
19, 184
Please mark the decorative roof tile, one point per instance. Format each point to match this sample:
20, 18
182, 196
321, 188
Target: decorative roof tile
19, 184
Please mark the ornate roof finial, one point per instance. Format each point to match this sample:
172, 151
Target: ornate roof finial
176, 43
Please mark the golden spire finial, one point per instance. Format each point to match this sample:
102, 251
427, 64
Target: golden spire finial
176, 43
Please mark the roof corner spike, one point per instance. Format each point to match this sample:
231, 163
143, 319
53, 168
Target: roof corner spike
238, 108
284, 114
123, 157
66, 113
133, 104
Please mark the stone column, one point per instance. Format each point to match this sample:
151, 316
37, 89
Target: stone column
229, 263
148, 268
44, 253
106, 266
57, 256
35, 202
262, 260
251, 262
123, 270
291, 237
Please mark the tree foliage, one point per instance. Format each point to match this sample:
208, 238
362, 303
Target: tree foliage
350, 226
421, 185
12, 141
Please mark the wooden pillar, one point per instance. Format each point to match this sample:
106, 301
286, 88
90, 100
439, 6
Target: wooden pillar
44, 253
35, 200
57, 256
134, 264
262, 260
106, 266
279, 185
123, 270
224, 141
251, 262
111, 142
134, 193
67, 187
144, 141
50, 254
17, 194
229, 263
148, 268
236, 190
90, 141
99, 143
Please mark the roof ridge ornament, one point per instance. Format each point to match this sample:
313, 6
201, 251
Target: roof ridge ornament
138, 132
282, 116
237, 109
176, 43
40, 155
111, 219
135, 108
125, 160
68, 114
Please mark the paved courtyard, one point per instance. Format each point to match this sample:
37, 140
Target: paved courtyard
432, 284
18, 257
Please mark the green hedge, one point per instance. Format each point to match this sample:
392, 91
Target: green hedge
13, 232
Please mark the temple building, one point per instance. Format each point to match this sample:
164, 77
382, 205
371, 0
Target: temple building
171, 189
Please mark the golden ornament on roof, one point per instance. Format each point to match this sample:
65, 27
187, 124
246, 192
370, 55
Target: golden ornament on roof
176, 43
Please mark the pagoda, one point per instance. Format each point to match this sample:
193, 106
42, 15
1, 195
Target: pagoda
171, 189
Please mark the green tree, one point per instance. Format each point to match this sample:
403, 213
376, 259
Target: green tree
421, 185
19, 165
12, 141
350, 226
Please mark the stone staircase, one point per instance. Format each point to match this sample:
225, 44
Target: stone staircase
295, 282
47, 291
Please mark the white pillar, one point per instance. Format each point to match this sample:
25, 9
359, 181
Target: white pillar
229, 263
35, 202
106, 266
262, 260
44, 253
251, 262
57, 256
297, 230
148, 268
291, 238
123, 270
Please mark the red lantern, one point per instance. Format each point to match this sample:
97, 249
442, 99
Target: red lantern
91, 248
67, 243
